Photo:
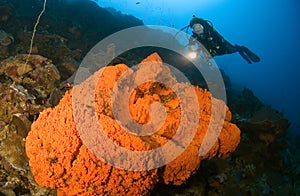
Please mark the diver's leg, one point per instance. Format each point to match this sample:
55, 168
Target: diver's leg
231, 48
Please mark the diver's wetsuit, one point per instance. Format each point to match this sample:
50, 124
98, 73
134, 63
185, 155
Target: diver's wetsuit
216, 45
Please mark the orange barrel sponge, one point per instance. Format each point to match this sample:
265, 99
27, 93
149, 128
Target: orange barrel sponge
108, 144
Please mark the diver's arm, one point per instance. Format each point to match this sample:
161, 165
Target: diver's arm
193, 45
193, 39
196, 48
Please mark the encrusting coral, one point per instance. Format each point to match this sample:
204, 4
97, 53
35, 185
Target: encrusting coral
5, 38
59, 159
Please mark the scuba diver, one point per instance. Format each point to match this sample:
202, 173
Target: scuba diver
214, 43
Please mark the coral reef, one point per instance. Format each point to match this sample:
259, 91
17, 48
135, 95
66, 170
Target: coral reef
38, 75
5, 38
58, 159
256, 167
5, 11
265, 162
18, 109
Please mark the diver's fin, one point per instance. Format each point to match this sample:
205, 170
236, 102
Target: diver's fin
252, 55
245, 56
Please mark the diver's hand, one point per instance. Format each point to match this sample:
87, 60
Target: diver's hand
207, 58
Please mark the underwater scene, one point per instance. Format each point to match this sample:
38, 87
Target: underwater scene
179, 98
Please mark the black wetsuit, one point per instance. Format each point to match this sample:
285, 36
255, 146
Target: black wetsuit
216, 45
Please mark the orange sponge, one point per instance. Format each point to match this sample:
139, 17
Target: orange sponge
60, 159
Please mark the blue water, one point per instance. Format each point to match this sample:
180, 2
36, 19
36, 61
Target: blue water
270, 28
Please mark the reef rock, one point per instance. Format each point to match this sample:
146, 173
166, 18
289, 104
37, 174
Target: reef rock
266, 125
34, 78
6, 38
59, 158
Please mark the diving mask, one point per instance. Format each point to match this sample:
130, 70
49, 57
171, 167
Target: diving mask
198, 28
